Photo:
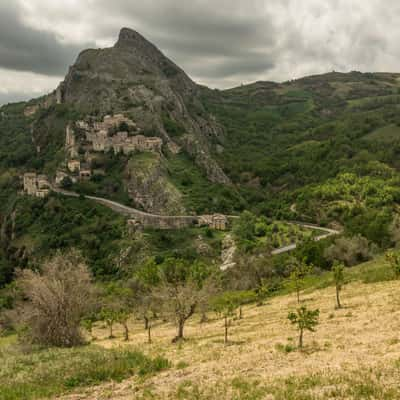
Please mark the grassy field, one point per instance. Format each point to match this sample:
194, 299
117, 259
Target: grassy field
386, 134
354, 354
47, 373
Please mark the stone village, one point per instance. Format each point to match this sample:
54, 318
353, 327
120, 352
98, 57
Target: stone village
121, 135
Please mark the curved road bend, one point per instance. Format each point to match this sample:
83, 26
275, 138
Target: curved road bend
129, 211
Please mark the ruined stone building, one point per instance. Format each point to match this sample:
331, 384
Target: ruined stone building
71, 145
108, 134
74, 166
30, 110
215, 221
36, 185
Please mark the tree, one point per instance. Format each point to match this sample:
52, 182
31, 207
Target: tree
394, 229
262, 292
350, 251
305, 320
338, 276
226, 305
142, 285
110, 317
66, 183
148, 310
393, 258
244, 230
181, 291
299, 270
88, 322
117, 307
55, 300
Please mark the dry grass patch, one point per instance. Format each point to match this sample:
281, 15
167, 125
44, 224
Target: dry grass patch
353, 354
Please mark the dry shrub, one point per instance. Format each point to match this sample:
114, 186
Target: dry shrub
55, 300
350, 251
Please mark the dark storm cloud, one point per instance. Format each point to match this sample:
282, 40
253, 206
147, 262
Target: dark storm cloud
26, 49
209, 39
219, 43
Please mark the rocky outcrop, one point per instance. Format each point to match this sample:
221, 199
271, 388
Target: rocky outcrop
135, 78
228, 253
148, 185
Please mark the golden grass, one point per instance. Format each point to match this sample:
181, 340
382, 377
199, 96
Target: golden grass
352, 346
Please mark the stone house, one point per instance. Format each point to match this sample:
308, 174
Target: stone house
36, 185
219, 222
215, 221
70, 142
74, 165
30, 110
85, 172
103, 136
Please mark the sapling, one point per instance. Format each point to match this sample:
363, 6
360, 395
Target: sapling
304, 319
296, 278
226, 305
338, 276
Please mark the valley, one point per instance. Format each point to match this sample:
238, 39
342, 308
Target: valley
160, 239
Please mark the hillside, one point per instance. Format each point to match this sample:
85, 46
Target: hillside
321, 149
136, 203
354, 353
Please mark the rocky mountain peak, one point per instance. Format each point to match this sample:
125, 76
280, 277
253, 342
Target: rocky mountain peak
129, 37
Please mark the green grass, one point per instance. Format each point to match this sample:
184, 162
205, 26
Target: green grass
376, 270
280, 234
387, 134
199, 194
183, 243
47, 373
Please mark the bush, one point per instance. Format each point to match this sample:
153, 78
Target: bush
55, 300
350, 251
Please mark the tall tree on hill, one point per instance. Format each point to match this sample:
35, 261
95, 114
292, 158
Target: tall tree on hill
182, 290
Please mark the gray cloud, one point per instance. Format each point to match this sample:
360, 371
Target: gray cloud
220, 44
25, 49
13, 97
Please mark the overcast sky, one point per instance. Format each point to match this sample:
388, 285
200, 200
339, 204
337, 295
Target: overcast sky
220, 43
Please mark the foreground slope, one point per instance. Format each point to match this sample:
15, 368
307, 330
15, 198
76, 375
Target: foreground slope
354, 354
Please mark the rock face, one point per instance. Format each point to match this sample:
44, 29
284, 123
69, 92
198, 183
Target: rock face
228, 253
135, 78
147, 184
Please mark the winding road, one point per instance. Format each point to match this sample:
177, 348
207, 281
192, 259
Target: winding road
181, 221
326, 233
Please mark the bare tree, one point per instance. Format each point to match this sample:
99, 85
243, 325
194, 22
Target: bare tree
147, 308
338, 276
116, 307
55, 300
182, 290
